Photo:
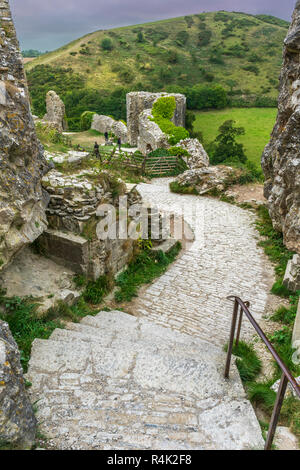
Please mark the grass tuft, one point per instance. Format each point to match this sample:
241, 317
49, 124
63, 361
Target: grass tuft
146, 266
248, 363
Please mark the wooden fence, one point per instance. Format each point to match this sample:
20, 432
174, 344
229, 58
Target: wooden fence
164, 165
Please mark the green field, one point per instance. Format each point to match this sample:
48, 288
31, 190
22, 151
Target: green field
258, 124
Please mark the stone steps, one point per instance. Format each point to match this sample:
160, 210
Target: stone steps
115, 381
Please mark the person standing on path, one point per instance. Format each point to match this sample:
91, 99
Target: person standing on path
106, 137
119, 144
96, 151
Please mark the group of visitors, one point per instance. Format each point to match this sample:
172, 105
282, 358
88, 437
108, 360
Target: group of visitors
96, 146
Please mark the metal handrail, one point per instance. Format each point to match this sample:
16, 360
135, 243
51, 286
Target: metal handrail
286, 374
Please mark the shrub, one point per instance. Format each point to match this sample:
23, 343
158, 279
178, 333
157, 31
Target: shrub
86, 120
172, 57
106, 44
252, 69
159, 153
182, 38
164, 108
163, 111
178, 151
140, 37
204, 37
189, 21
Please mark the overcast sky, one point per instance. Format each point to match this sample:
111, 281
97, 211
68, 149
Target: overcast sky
48, 24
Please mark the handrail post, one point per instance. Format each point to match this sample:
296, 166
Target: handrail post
276, 411
231, 339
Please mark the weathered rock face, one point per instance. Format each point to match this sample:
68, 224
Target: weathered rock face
104, 124
150, 136
22, 200
281, 158
17, 420
292, 274
198, 156
137, 102
56, 112
207, 179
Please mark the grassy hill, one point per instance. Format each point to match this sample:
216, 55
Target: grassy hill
240, 51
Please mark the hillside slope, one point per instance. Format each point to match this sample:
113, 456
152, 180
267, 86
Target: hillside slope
240, 51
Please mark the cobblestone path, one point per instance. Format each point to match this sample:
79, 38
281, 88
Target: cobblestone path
223, 260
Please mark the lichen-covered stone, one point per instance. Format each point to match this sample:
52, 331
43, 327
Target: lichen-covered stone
151, 137
292, 274
198, 156
17, 420
56, 112
137, 102
22, 200
206, 179
281, 158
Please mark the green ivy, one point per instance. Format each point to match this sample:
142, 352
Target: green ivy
162, 112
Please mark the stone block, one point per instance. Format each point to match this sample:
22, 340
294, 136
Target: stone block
292, 274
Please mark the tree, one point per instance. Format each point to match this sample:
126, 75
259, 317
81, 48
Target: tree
107, 44
190, 118
140, 37
225, 147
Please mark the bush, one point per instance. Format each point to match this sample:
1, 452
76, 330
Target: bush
163, 111
178, 152
48, 134
164, 108
86, 120
182, 38
107, 45
204, 37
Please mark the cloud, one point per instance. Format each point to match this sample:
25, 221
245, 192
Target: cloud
48, 25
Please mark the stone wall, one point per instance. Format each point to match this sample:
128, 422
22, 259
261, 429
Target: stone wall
137, 102
71, 239
17, 420
281, 158
22, 164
